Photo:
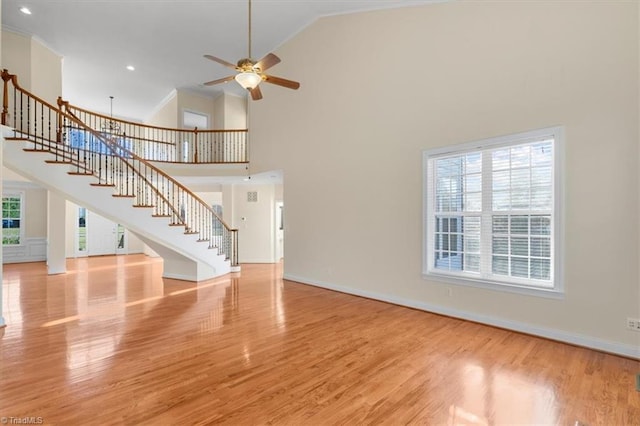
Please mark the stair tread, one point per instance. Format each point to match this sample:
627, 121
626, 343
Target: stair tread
103, 184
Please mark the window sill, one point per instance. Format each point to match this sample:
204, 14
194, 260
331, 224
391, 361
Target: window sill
495, 286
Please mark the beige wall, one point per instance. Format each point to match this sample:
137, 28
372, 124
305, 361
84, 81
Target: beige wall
379, 88
35, 213
218, 112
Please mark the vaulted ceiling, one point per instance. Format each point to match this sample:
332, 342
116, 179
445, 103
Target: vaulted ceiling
164, 40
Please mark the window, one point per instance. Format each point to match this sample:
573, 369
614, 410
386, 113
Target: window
492, 212
11, 219
85, 140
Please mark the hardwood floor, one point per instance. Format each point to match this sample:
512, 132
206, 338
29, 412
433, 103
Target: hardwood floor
111, 342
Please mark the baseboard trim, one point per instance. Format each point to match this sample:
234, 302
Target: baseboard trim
548, 333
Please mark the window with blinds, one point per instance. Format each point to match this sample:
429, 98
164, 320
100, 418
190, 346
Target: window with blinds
492, 211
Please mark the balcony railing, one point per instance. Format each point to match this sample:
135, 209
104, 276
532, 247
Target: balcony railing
163, 144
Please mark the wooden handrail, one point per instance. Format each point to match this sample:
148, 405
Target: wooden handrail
6, 77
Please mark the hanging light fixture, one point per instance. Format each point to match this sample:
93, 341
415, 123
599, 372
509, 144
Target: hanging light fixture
111, 126
248, 79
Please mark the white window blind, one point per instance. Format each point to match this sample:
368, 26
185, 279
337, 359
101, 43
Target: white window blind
492, 211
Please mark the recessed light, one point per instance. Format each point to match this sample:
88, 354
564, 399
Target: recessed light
25, 10
131, 68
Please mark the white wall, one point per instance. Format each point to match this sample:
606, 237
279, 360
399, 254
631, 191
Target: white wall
379, 88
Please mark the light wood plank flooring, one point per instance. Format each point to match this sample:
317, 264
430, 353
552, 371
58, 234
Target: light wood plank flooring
111, 342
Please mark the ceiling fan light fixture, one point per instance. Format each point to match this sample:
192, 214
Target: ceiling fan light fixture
248, 80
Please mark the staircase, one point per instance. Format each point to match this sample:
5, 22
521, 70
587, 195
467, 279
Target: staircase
100, 170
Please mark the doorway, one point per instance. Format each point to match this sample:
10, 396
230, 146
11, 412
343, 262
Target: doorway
98, 236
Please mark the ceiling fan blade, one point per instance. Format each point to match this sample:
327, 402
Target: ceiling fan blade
289, 84
220, 80
256, 93
220, 61
267, 62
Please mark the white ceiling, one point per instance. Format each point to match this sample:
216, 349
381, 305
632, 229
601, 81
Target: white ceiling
164, 40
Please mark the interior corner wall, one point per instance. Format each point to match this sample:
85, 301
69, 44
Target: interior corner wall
440, 75
16, 56
39, 69
235, 112
167, 113
218, 112
46, 72
230, 112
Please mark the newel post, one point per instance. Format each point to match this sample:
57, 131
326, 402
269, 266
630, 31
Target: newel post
61, 103
195, 145
5, 96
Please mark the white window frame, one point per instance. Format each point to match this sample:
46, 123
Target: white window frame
510, 284
20, 195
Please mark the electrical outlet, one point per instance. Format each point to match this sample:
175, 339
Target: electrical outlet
633, 324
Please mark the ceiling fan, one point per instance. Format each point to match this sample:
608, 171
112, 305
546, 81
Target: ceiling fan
251, 73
